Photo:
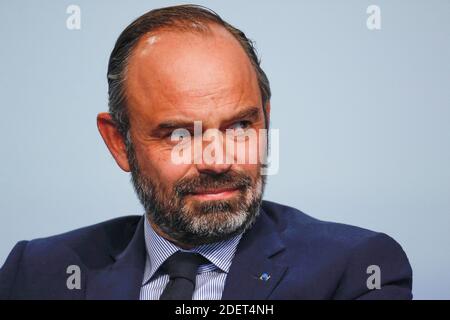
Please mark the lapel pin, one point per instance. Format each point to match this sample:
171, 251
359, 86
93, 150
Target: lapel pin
264, 276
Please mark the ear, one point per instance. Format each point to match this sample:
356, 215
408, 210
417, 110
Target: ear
113, 140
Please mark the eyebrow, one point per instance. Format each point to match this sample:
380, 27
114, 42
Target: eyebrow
251, 113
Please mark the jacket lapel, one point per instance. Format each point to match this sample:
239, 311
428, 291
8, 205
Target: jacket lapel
123, 279
254, 272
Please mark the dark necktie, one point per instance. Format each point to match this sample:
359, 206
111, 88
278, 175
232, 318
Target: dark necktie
182, 270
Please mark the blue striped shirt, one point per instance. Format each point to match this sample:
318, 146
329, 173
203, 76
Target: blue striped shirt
210, 279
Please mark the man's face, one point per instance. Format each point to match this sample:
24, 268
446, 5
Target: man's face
176, 78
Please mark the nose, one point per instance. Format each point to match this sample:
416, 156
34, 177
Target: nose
213, 168
213, 158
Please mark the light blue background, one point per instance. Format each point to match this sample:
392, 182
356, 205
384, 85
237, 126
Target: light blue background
363, 116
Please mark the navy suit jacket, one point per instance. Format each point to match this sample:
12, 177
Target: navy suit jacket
305, 258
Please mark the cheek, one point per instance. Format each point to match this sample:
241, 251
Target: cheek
252, 170
156, 163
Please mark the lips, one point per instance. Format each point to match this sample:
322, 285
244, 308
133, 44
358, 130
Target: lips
214, 194
213, 191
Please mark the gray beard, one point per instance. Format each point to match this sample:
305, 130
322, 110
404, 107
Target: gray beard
208, 221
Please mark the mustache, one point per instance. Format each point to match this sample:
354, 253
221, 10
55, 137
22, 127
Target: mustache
226, 180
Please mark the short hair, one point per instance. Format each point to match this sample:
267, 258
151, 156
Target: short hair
190, 18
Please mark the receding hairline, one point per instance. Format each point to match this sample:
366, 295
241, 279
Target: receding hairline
209, 30
204, 29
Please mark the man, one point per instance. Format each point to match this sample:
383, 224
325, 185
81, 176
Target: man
206, 233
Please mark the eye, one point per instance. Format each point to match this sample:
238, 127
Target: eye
240, 125
180, 134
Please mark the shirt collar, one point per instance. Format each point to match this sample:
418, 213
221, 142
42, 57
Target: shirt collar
220, 254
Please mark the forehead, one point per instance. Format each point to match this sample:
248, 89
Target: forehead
189, 73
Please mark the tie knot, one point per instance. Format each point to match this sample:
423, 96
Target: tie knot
183, 265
